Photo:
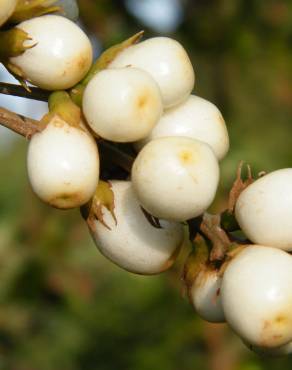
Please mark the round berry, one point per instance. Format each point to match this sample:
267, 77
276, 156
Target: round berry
196, 118
175, 178
205, 295
61, 55
257, 297
122, 105
167, 62
264, 210
63, 165
131, 241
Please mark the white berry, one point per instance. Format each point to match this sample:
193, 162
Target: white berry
205, 295
167, 62
195, 118
63, 165
175, 178
133, 243
257, 296
264, 210
6, 9
122, 105
62, 54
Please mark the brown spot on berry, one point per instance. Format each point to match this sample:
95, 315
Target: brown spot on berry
186, 156
143, 100
67, 200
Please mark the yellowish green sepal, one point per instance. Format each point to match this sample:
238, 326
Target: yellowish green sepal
196, 260
61, 104
27, 9
104, 197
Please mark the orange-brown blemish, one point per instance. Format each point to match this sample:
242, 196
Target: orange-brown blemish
280, 319
142, 101
82, 62
272, 330
66, 200
186, 156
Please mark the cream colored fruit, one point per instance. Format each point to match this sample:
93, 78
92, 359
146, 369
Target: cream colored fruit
133, 243
62, 54
196, 118
264, 210
205, 295
175, 178
6, 9
122, 105
167, 62
257, 297
63, 165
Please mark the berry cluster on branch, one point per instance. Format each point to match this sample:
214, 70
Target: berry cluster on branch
133, 109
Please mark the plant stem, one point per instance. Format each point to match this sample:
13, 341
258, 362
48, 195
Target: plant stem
27, 127
116, 156
209, 226
24, 126
17, 90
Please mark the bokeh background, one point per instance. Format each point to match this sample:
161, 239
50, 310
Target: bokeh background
65, 307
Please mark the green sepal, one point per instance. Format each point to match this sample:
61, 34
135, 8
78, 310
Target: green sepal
196, 261
12, 43
27, 9
101, 63
60, 104
18, 74
103, 197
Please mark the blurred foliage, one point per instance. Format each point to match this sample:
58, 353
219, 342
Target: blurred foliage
65, 307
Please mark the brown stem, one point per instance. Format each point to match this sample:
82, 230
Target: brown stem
27, 127
17, 90
24, 126
116, 156
211, 228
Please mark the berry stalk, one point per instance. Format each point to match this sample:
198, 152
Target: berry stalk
27, 127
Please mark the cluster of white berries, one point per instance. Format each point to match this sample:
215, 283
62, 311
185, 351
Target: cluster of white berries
252, 290
143, 96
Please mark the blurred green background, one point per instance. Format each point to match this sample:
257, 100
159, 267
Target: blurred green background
65, 307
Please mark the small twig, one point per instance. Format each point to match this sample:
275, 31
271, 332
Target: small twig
27, 127
238, 186
24, 126
116, 156
210, 228
18, 90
